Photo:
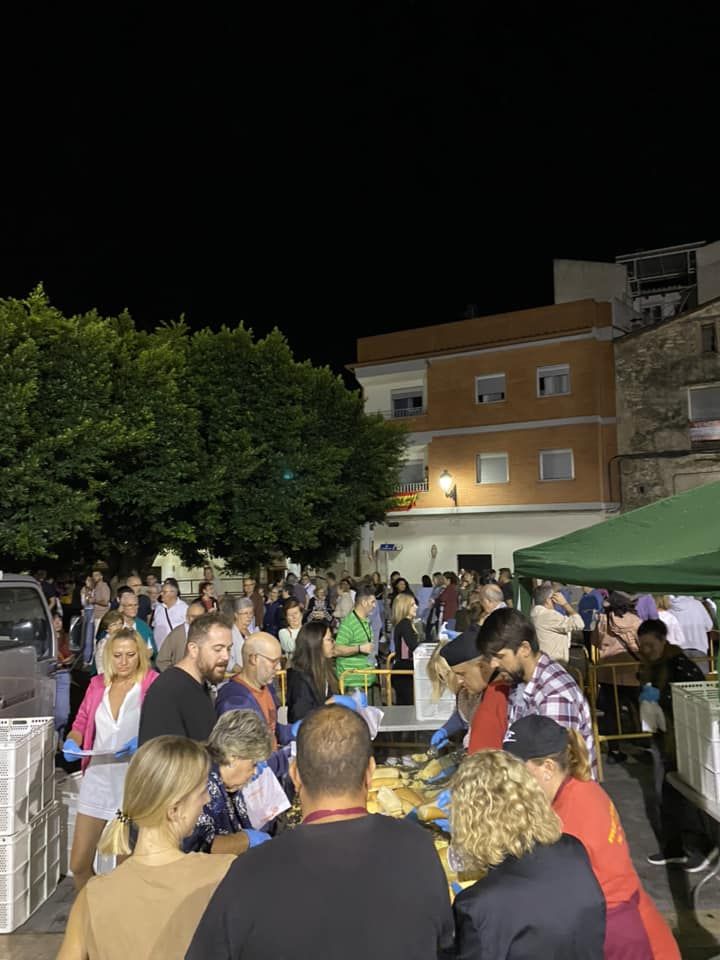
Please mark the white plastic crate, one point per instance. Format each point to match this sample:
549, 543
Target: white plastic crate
29, 868
27, 764
696, 712
425, 707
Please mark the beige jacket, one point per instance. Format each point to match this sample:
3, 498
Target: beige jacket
554, 630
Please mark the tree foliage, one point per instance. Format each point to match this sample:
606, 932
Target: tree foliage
119, 443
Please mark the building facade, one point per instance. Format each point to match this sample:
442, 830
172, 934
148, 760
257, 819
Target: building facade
518, 408
668, 400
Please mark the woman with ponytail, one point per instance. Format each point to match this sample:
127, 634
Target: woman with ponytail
557, 757
150, 905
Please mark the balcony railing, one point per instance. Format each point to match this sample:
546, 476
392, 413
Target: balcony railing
421, 486
402, 414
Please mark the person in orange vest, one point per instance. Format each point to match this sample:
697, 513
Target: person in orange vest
557, 757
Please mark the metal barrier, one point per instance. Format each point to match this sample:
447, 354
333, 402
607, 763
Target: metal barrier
598, 666
383, 675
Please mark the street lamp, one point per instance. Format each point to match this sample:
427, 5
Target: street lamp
447, 482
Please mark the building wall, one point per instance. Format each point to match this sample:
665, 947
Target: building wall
451, 400
555, 320
708, 272
592, 444
579, 279
654, 369
498, 534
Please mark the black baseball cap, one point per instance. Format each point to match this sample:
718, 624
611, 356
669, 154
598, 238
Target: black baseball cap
534, 736
461, 649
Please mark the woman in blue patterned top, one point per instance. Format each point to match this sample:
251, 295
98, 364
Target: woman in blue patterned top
239, 746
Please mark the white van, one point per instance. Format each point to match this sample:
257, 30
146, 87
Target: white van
27, 649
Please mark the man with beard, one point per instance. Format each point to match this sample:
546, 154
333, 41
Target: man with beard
182, 704
508, 640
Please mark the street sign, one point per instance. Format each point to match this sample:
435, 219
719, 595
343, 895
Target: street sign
388, 547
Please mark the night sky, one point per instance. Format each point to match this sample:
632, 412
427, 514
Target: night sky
348, 171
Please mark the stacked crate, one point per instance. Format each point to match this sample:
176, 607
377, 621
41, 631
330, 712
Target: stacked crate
696, 714
29, 818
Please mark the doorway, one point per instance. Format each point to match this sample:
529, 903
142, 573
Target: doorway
474, 561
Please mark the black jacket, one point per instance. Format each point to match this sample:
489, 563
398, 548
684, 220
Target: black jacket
302, 697
546, 905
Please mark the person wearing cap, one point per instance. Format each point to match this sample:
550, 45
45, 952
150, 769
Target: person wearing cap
508, 640
537, 896
476, 674
557, 758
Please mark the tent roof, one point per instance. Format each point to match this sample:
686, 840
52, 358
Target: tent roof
672, 546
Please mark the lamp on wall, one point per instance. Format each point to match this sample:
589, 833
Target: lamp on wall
447, 482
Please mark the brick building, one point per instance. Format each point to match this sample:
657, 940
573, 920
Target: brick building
519, 408
668, 401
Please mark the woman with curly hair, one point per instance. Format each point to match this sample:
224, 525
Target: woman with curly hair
557, 757
539, 896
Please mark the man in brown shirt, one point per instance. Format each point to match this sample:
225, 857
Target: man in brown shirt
101, 597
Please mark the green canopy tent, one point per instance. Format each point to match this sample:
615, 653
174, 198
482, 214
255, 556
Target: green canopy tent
672, 546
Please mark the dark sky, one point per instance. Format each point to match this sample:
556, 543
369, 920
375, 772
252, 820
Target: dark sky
348, 172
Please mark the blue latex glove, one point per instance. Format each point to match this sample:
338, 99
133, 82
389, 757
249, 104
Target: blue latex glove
294, 729
256, 837
127, 750
443, 824
345, 701
439, 739
360, 695
650, 694
442, 800
71, 751
259, 767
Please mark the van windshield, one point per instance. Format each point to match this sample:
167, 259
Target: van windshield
24, 621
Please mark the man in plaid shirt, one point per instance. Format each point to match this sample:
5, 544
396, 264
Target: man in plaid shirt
542, 685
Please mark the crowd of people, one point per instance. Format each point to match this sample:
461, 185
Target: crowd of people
188, 764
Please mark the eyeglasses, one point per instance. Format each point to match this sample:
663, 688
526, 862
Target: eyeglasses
275, 662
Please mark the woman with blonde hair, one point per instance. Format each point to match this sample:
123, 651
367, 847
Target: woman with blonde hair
150, 905
405, 639
557, 758
539, 896
108, 721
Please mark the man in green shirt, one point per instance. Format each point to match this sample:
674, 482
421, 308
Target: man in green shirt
354, 641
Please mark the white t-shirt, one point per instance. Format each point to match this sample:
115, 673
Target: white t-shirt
166, 619
694, 620
675, 631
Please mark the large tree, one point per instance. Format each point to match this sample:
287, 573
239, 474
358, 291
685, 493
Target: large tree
116, 443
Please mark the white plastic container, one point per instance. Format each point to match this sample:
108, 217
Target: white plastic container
29, 868
425, 707
27, 770
696, 712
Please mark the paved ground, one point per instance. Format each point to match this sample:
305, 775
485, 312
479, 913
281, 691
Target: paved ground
698, 934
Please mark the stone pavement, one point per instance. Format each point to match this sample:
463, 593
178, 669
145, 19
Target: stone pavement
671, 888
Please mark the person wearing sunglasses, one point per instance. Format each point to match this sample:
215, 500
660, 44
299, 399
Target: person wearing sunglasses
253, 687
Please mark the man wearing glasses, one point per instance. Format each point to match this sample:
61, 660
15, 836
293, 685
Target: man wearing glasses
253, 688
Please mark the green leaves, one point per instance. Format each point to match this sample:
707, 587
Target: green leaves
119, 443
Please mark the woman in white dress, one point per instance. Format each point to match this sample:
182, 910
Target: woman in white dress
107, 722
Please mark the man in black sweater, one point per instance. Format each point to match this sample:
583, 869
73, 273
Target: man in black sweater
182, 703
345, 884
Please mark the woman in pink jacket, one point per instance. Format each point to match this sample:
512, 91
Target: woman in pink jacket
107, 721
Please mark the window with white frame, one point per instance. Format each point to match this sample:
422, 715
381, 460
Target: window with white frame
407, 403
704, 402
490, 388
553, 381
557, 465
492, 468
